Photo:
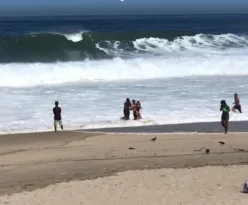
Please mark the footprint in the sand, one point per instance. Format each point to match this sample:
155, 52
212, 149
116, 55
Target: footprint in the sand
239, 150
197, 150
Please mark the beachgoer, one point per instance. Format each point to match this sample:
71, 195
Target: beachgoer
237, 105
134, 109
57, 116
126, 109
225, 114
138, 108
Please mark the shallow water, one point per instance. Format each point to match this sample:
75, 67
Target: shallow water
95, 105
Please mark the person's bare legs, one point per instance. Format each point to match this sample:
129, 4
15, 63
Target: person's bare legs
224, 124
226, 128
61, 124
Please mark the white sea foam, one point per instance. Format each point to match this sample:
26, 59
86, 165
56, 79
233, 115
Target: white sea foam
75, 37
32, 74
199, 42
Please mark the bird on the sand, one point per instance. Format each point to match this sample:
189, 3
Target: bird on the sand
154, 139
131, 148
222, 143
207, 151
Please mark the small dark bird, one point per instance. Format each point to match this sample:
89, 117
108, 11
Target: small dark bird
207, 151
154, 139
131, 148
222, 143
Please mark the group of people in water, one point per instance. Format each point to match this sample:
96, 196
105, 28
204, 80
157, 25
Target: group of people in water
134, 106
226, 109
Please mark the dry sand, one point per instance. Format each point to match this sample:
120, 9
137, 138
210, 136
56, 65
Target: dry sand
33, 166
212, 185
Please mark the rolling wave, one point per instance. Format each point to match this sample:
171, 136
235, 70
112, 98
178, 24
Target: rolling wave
53, 47
41, 59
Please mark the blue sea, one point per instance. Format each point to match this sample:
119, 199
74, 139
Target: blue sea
178, 66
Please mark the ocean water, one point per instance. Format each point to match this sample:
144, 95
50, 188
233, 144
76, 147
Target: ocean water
178, 66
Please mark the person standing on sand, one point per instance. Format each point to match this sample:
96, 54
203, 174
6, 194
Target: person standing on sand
57, 116
236, 103
225, 114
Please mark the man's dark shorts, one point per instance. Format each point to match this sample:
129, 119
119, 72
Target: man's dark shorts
238, 107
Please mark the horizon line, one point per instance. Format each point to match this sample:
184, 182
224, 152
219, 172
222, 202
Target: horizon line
144, 14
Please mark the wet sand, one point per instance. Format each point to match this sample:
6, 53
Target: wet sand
200, 127
37, 160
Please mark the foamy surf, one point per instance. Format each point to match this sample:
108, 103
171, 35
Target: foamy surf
199, 42
34, 74
79, 124
75, 37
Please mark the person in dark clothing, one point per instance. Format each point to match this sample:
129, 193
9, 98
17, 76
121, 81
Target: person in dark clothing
134, 109
57, 116
126, 109
225, 115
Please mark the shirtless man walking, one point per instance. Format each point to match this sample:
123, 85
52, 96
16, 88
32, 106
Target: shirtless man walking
237, 105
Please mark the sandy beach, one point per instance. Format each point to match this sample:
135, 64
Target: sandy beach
103, 168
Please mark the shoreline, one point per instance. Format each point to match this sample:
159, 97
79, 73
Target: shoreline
179, 128
195, 127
